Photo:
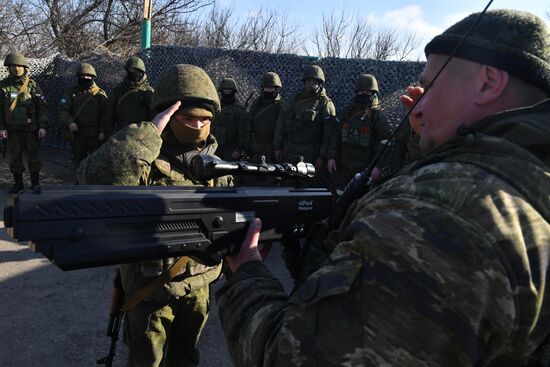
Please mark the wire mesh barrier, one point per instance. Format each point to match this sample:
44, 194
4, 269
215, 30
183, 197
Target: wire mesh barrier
57, 73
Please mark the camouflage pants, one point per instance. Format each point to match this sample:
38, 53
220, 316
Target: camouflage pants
167, 334
84, 146
23, 141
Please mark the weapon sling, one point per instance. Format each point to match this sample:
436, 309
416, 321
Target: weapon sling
22, 90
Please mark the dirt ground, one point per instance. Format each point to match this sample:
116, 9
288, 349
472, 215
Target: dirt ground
53, 318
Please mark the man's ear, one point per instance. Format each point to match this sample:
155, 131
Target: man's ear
492, 84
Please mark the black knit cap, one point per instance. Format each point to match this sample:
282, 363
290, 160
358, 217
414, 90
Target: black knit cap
511, 40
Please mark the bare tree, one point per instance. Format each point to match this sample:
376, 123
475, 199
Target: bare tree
407, 44
329, 40
362, 40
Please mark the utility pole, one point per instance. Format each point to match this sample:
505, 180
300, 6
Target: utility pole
146, 25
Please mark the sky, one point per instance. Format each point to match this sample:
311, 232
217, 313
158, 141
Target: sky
427, 17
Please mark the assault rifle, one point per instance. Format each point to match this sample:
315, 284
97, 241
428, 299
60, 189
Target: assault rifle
89, 226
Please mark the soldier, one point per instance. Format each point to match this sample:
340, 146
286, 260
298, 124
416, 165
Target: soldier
447, 262
264, 113
165, 327
83, 110
308, 125
23, 120
230, 125
131, 99
364, 130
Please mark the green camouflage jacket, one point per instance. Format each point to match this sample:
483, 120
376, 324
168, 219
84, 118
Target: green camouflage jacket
30, 110
92, 110
130, 103
445, 264
137, 155
264, 115
308, 126
230, 127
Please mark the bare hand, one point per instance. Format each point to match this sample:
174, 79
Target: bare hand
3, 134
278, 155
375, 174
408, 100
249, 249
319, 165
101, 136
41, 133
331, 166
236, 155
163, 118
73, 127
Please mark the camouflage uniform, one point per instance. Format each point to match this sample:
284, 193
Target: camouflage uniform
446, 264
264, 114
166, 327
90, 102
130, 101
306, 130
364, 130
230, 126
22, 124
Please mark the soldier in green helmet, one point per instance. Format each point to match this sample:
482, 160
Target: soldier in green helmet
265, 111
83, 111
23, 119
231, 124
362, 133
165, 327
447, 262
308, 125
130, 101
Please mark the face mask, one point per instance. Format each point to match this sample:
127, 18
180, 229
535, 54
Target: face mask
228, 98
134, 76
270, 95
312, 87
190, 135
85, 83
363, 99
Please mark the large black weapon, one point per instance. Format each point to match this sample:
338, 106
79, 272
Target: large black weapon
88, 226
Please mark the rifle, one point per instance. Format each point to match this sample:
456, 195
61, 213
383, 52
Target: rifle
89, 226
115, 320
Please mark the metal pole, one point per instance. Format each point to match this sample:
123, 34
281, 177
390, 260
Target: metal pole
146, 25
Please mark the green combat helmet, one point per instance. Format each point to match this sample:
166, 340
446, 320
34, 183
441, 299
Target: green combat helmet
184, 82
366, 82
314, 72
228, 83
136, 63
85, 68
271, 79
15, 58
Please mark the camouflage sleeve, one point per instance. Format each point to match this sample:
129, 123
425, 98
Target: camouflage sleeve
329, 121
111, 110
409, 283
123, 158
66, 108
147, 99
245, 133
105, 125
2, 106
280, 132
40, 105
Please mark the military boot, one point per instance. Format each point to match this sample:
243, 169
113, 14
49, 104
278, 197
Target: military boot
18, 186
35, 180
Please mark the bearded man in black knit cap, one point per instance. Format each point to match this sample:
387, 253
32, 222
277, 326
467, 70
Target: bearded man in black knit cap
447, 262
